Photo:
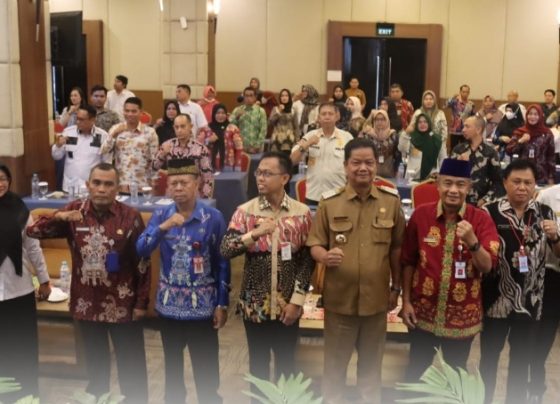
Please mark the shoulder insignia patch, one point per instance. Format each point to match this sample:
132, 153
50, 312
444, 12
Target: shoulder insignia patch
388, 190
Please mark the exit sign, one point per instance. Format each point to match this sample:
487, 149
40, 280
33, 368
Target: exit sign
385, 29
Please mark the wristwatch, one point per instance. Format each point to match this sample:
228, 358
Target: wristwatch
475, 247
301, 149
222, 307
394, 289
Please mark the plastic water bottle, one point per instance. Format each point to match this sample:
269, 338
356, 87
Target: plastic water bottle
301, 167
35, 186
64, 277
400, 174
134, 193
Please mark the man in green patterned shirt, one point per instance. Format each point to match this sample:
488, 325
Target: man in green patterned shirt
252, 122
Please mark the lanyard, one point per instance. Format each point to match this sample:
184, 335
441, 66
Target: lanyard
521, 239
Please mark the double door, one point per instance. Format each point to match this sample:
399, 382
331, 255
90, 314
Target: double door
379, 62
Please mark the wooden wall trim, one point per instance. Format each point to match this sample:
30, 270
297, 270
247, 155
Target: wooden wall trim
433, 33
36, 156
93, 30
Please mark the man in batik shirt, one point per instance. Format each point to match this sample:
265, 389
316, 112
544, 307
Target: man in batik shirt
271, 230
461, 109
513, 296
110, 284
251, 120
448, 245
486, 173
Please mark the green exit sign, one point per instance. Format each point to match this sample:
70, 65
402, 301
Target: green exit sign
385, 29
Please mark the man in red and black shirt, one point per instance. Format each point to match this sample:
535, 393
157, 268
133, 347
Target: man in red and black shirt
448, 245
110, 283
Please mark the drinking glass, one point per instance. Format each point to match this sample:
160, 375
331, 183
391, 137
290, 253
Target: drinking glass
43, 189
407, 208
147, 192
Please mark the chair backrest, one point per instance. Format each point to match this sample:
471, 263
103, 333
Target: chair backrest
145, 117
245, 161
379, 181
300, 190
161, 184
425, 192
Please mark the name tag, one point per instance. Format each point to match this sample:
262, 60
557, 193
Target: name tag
523, 264
381, 159
531, 153
460, 270
286, 251
198, 263
84, 229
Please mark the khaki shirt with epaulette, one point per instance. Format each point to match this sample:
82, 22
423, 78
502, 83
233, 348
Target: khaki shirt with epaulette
367, 232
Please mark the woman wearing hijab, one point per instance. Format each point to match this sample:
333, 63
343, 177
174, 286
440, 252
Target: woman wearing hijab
224, 141
164, 126
491, 115
424, 149
357, 120
430, 109
18, 316
283, 121
535, 142
378, 130
208, 101
339, 99
306, 108
512, 119
387, 104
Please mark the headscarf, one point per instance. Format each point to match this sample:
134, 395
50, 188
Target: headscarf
428, 143
508, 126
534, 130
385, 132
340, 105
394, 118
207, 90
165, 131
356, 108
432, 112
309, 103
288, 105
339, 100
219, 130
13, 216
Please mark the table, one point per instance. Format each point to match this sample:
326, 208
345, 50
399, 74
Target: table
403, 188
230, 191
252, 190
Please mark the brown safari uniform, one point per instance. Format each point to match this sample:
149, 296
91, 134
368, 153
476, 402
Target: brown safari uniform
356, 293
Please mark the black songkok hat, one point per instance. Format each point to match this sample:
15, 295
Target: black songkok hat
181, 167
455, 168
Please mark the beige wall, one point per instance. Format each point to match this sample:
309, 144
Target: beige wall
284, 45
283, 42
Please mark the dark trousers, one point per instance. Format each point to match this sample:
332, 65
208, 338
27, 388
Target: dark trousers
202, 341
265, 338
19, 346
520, 336
128, 343
546, 331
422, 350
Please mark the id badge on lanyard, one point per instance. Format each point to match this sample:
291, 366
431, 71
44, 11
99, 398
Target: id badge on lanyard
523, 261
460, 264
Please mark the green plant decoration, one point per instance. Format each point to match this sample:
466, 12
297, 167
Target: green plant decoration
443, 384
83, 397
293, 390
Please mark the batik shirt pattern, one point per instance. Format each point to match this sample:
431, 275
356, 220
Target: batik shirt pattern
508, 290
95, 294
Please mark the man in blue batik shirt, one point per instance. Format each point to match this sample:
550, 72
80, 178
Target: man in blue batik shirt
192, 295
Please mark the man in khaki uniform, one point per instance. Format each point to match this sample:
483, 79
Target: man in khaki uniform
357, 235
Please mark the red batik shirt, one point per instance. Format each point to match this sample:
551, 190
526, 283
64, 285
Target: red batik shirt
95, 294
446, 306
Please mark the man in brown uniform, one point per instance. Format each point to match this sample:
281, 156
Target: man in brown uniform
357, 235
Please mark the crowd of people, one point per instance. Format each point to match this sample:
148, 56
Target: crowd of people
483, 259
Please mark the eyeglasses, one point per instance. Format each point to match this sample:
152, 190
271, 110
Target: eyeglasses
265, 174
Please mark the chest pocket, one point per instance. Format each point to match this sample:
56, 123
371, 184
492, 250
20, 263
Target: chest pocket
340, 228
381, 230
314, 151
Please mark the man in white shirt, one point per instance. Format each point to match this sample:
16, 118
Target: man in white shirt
325, 150
192, 109
512, 97
117, 97
81, 144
